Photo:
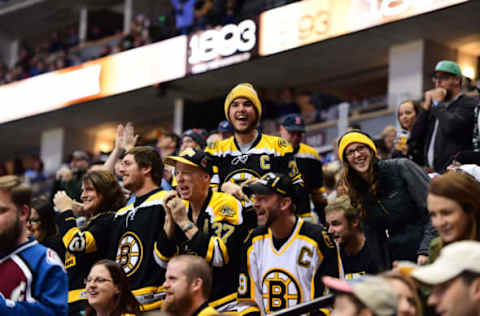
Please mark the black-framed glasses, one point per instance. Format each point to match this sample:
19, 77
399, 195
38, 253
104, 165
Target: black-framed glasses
360, 149
98, 280
31, 220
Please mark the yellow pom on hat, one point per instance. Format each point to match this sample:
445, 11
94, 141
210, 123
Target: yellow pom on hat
354, 137
245, 90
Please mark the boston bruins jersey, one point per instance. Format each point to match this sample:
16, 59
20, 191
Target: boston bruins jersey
274, 279
310, 165
84, 246
222, 228
136, 228
267, 153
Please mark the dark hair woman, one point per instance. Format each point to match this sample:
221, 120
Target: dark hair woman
455, 209
391, 196
408, 145
101, 196
407, 113
108, 291
41, 225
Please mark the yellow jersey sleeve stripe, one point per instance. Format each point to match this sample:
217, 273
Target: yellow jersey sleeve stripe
221, 301
159, 254
210, 250
77, 295
67, 238
90, 243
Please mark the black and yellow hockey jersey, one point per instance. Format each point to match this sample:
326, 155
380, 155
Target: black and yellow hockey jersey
274, 279
136, 228
222, 228
267, 153
310, 165
84, 246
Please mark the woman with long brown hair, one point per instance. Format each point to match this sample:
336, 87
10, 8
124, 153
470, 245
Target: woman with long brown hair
108, 291
406, 145
101, 196
453, 203
391, 197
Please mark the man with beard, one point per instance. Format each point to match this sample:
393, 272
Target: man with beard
445, 128
210, 225
137, 225
188, 283
343, 222
248, 154
285, 257
33, 279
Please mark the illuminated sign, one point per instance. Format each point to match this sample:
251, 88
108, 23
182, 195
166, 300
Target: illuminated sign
221, 46
310, 21
130, 70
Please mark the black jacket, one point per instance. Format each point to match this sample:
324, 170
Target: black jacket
454, 132
397, 225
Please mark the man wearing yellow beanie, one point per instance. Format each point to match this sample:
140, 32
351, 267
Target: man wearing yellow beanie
248, 154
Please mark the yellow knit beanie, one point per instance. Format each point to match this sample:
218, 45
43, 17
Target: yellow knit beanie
354, 137
245, 90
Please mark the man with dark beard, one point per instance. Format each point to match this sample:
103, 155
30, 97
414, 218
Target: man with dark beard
285, 257
248, 154
33, 279
188, 283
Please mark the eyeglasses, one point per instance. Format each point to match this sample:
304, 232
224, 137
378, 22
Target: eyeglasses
96, 281
441, 77
360, 149
33, 220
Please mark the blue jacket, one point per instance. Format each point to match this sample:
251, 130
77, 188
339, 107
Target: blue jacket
34, 282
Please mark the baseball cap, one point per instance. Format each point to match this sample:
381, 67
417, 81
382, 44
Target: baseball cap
449, 67
454, 259
196, 135
294, 123
193, 157
80, 155
375, 292
270, 183
225, 127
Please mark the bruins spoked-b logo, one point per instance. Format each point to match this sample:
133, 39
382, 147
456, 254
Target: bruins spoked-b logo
129, 253
280, 290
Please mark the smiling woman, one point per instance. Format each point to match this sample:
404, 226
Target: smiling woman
455, 210
390, 195
101, 196
108, 291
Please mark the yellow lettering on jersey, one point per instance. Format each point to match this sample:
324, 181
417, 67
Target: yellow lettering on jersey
70, 260
223, 231
305, 253
265, 162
